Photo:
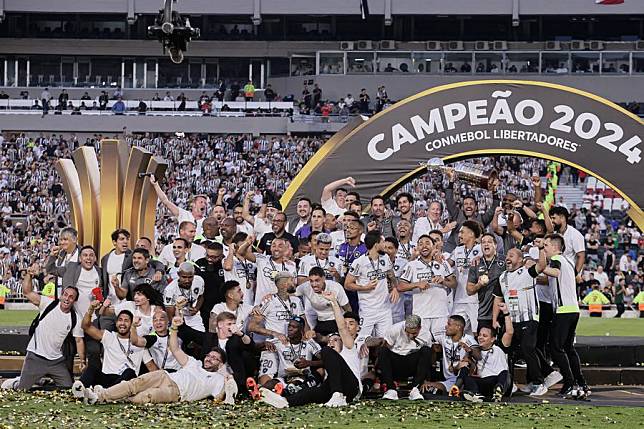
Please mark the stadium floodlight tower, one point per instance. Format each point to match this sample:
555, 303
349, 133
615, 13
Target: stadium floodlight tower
173, 31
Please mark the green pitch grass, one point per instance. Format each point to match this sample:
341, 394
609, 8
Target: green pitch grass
587, 326
17, 317
61, 410
595, 326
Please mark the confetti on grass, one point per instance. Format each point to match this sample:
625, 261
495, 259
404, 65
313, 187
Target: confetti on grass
60, 410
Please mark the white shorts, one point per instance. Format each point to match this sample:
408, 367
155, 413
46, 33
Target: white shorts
470, 312
375, 324
432, 330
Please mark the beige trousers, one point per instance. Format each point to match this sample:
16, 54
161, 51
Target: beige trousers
153, 387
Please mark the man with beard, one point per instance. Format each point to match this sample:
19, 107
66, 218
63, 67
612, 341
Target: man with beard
303, 213
372, 276
193, 382
180, 252
277, 309
339, 237
483, 278
233, 304
287, 367
377, 221
218, 213
198, 206
462, 259
278, 231
122, 351
430, 282
268, 266
405, 204
575, 247
516, 288
210, 269
316, 223
470, 208
240, 223
262, 222
140, 273
405, 244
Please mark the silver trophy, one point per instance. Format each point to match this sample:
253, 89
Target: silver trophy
466, 172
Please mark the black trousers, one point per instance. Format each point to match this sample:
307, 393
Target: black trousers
393, 366
564, 355
525, 342
620, 309
486, 386
239, 356
93, 376
190, 335
339, 378
543, 337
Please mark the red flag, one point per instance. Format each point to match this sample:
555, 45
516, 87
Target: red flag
607, 2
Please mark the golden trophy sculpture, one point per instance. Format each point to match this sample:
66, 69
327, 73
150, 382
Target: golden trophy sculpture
473, 174
118, 194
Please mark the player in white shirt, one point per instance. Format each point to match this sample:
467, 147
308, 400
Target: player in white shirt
268, 265
158, 355
141, 307
275, 311
430, 281
404, 354
319, 312
320, 258
193, 382
44, 351
291, 364
492, 377
373, 277
122, 351
333, 196
198, 207
234, 304
457, 348
187, 231
400, 309
186, 294
341, 362
462, 259
238, 268
442, 257
575, 245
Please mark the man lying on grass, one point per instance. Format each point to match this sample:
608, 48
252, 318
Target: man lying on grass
193, 382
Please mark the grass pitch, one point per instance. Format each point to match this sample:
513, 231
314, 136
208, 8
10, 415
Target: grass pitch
61, 410
588, 326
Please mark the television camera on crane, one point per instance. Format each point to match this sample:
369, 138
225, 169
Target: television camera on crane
173, 31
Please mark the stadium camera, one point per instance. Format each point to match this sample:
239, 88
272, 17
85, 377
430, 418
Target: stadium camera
173, 31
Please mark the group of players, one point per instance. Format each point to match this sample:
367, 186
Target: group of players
323, 309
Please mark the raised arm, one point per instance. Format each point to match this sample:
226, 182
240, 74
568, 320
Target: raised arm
86, 324
134, 336
28, 287
246, 209
550, 228
450, 202
329, 189
347, 340
506, 340
163, 197
496, 202
229, 261
173, 342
